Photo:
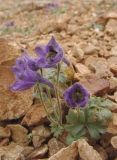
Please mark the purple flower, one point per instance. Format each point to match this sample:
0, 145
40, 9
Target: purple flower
27, 79
9, 23
50, 55
31, 62
76, 96
52, 6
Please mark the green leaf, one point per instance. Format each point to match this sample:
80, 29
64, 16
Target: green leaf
72, 117
74, 129
81, 116
69, 139
105, 114
95, 129
56, 129
81, 133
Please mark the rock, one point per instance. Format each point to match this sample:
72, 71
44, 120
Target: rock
8, 53
90, 49
68, 153
113, 51
112, 126
105, 140
40, 134
19, 134
78, 52
102, 152
4, 142
111, 26
38, 153
11, 152
54, 146
36, 115
72, 29
4, 132
98, 65
114, 107
87, 152
95, 85
110, 15
115, 119
82, 69
27, 150
113, 69
113, 97
112, 60
113, 83
114, 142
13, 105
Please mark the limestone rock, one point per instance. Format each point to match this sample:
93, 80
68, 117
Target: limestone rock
112, 61
87, 152
102, 152
113, 68
114, 142
113, 83
36, 115
12, 104
95, 85
82, 69
11, 152
98, 66
8, 53
113, 51
68, 153
19, 134
77, 52
4, 132
54, 146
38, 153
111, 26
112, 126
90, 49
40, 134
4, 142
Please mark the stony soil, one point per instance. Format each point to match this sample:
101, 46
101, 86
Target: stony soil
87, 31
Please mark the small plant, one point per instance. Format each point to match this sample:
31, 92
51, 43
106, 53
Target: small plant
69, 108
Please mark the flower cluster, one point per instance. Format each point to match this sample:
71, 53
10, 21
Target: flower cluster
27, 68
86, 115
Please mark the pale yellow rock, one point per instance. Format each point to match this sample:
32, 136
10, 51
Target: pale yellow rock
87, 152
40, 134
82, 69
115, 119
12, 152
4, 132
54, 146
13, 105
68, 153
114, 142
111, 26
78, 52
19, 134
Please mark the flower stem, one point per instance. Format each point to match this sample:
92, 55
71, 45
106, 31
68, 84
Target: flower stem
57, 93
42, 101
50, 98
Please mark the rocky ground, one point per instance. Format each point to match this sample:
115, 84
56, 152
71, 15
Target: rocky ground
87, 30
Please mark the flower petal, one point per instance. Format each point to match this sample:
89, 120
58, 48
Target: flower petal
21, 85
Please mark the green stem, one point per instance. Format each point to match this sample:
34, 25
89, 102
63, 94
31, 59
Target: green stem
42, 101
50, 98
57, 93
